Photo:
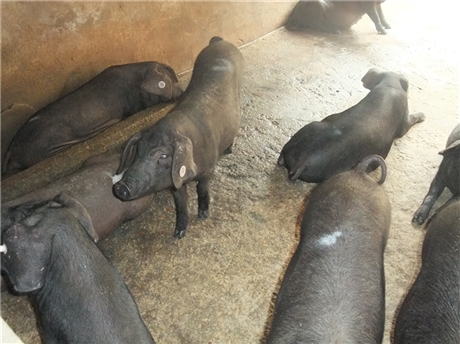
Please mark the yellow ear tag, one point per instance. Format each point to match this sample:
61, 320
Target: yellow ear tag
182, 171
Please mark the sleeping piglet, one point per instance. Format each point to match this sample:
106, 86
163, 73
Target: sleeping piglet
185, 145
430, 313
333, 290
339, 142
78, 295
448, 175
114, 94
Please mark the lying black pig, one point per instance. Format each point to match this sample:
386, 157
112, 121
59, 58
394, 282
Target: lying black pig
77, 293
337, 143
335, 16
114, 94
333, 289
185, 145
448, 175
91, 185
430, 313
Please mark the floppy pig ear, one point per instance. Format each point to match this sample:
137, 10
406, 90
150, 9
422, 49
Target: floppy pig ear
372, 78
158, 83
129, 153
80, 213
450, 148
404, 83
183, 167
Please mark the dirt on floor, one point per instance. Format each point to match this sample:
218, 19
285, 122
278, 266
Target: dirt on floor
217, 284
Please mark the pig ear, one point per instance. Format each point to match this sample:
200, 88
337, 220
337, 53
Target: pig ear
448, 149
159, 81
80, 213
372, 78
129, 153
404, 83
183, 166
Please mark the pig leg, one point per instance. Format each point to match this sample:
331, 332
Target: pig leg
371, 10
180, 200
411, 120
202, 189
385, 24
436, 188
453, 199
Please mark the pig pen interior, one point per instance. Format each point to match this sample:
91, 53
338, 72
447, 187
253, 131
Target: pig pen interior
218, 283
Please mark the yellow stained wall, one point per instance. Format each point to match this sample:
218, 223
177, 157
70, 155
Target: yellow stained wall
51, 48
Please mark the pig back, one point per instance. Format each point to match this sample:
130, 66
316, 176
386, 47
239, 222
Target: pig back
333, 288
430, 313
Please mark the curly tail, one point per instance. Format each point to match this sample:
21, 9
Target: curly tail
370, 162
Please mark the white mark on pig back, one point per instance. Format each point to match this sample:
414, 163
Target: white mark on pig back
329, 239
116, 178
182, 171
222, 65
34, 118
3, 248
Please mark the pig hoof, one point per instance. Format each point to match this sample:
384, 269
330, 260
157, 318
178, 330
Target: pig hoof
418, 219
179, 234
229, 150
203, 214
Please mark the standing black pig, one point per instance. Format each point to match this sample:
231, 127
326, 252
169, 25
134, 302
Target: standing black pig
430, 313
333, 289
336, 144
78, 294
335, 16
114, 94
448, 175
185, 144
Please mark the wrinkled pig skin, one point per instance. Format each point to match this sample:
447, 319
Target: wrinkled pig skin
185, 145
448, 175
430, 313
77, 294
335, 16
114, 94
91, 185
340, 141
333, 290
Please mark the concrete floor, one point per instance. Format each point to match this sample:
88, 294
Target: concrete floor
216, 285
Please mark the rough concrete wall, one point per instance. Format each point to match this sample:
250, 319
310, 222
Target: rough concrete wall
51, 48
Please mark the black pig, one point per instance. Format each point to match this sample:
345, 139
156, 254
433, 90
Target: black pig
185, 145
448, 175
78, 294
336, 144
335, 16
333, 289
430, 313
114, 94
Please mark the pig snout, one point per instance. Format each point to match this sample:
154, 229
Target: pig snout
122, 191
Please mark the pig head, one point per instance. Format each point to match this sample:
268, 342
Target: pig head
335, 16
185, 145
114, 94
340, 141
448, 175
